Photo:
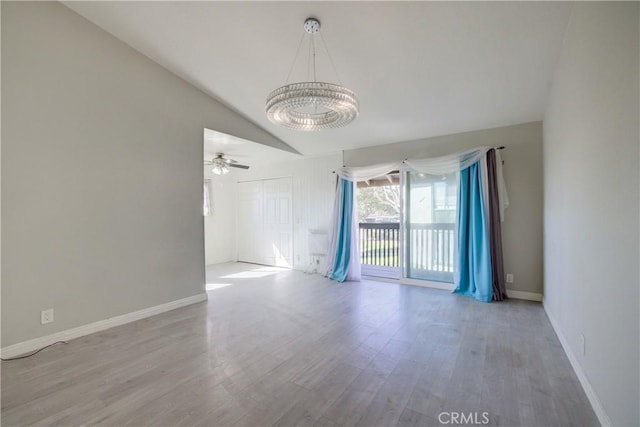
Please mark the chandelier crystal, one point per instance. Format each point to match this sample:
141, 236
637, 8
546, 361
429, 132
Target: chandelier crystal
311, 106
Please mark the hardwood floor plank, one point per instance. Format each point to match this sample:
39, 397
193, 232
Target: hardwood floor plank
409, 418
349, 407
391, 399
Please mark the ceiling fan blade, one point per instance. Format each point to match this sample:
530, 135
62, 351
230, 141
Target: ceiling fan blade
239, 166
227, 160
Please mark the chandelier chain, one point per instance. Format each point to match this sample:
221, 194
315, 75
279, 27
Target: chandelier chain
309, 59
313, 46
295, 58
330, 59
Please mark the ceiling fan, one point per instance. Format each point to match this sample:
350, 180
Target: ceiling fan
222, 164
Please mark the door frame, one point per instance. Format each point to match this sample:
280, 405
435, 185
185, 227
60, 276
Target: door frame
404, 209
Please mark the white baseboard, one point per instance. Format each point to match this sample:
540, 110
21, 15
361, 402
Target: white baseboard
69, 334
529, 296
577, 368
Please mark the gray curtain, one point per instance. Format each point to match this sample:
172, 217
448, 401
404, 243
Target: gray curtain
495, 230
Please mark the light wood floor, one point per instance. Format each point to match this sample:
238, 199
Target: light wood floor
285, 348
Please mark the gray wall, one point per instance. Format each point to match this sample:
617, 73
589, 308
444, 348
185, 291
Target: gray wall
591, 201
522, 228
101, 174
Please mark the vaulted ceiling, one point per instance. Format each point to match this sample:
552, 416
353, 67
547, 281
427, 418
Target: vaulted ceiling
420, 69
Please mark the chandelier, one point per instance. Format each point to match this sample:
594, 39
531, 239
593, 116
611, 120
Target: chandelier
219, 166
313, 105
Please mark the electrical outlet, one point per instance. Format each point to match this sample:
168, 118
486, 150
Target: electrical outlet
509, 278
583, 346
46, 316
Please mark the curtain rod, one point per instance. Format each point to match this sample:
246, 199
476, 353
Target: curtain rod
502, 147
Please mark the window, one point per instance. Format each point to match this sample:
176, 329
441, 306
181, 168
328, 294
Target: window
207, 208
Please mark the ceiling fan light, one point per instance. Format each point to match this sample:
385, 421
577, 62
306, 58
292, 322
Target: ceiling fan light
219, 166
219, 171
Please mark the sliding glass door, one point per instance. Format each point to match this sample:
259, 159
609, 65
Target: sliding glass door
379, 226
429, 224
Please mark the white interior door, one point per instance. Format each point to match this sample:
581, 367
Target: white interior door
278, 224
250, 224
265, 225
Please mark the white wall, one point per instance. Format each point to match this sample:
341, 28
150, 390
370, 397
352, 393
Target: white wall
219, 227
0, 176
522, 228
592, 204
101, 174
313, 195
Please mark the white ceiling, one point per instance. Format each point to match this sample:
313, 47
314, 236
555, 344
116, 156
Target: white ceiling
420, 69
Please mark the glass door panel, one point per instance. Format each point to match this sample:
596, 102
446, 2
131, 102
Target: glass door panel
430, 232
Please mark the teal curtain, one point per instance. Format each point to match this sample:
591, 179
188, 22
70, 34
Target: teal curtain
343, 239
474, 253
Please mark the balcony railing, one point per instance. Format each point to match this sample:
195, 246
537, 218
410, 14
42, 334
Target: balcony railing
430, 250
380, 244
